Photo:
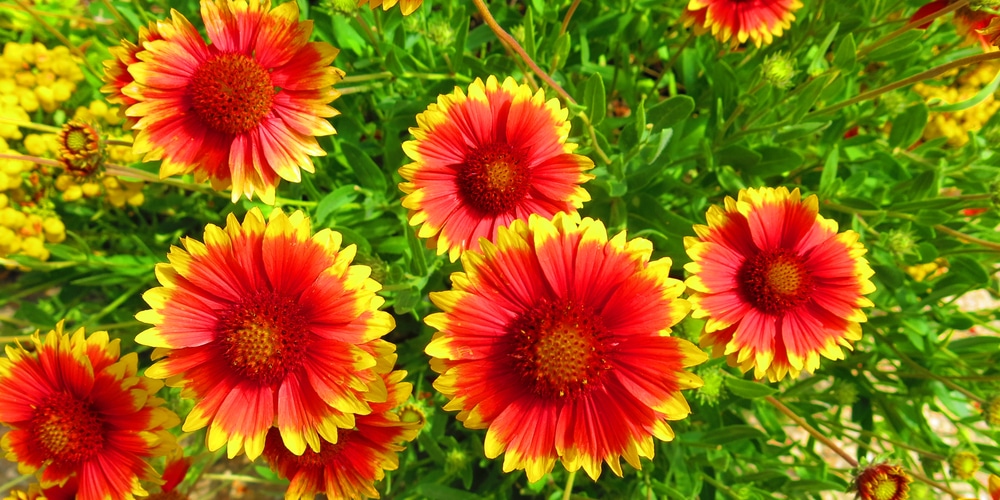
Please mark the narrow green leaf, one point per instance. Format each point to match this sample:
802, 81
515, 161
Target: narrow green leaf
368, 173
667, 113
908, 126
747, 389
829, 172
776, 161
595, 99
331, 202
846, 55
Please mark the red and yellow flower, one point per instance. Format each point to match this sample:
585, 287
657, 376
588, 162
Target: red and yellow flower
777, 283
488, 158
968, 23
882, 482
242, 111
405, 6
556, 340
266, 325
737, 21
117, 76
349, 468
80, 415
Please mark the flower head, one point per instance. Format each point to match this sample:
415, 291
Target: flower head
882, 482
81, 416
116, 73
964, 464
777, 282
81, 150
405, 6
487, 158
265, 325
737, 21
556, 340
994, 487
243, 111
968, 22
349, 468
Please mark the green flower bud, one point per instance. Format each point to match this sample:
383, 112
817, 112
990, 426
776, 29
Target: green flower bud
779, 69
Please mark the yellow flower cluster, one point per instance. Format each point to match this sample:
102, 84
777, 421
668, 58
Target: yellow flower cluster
26, 233
33, 77
954, 125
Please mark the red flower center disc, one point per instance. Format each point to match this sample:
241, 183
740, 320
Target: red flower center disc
775, 281
264, 337
494, 178
231, 93
67, 429
558, 348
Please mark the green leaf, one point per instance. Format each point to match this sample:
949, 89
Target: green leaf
808, 96
595, 99
846, 55
908, 126
739, 157
932, 217
776, 161
969, 268
733, 433
973, 101
819, 61
747, 389
897, 48
829, 172
666, 114
368, 173
331, 202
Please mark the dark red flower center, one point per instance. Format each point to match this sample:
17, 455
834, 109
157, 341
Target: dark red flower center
559, 348
264, 337
288, 463
494, 179
775, 281
67, 429
231, 93
883, 482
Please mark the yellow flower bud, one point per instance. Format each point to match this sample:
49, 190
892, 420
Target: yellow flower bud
91, 189
73, 193
55, 230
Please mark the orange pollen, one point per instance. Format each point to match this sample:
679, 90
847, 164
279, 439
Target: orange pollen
264, 337
559, 348
775, 281
494, 179
69, 430
231, 93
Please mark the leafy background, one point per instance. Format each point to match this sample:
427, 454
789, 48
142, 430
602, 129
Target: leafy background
674, 122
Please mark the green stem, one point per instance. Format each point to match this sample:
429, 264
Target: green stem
910, 25
862, 432
121, 20
919, 77
919, 368
569, 15
726, 490
512, 43
568, 490
31, 125
812, 430
900, 215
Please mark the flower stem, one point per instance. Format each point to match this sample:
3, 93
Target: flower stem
31, 125
899, 215
568, 490
919, 77
910, 25
569, 15
811, 430
512, 43
919, 368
